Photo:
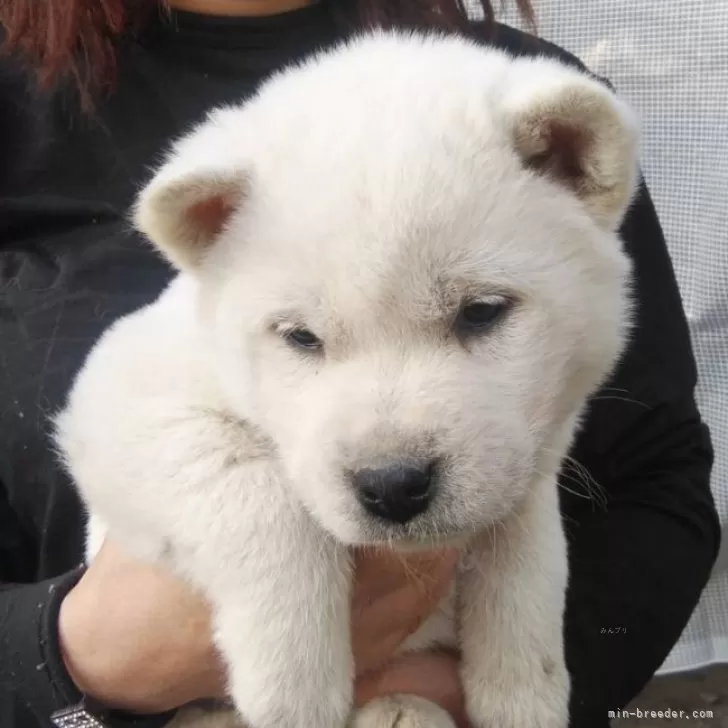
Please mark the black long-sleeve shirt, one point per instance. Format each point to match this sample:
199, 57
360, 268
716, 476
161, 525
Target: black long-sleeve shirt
69, 266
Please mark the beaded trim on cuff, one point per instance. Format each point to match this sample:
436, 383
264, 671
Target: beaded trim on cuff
77, 716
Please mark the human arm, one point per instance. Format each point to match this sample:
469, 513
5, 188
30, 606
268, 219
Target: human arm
639, 565
27, 693
34, 680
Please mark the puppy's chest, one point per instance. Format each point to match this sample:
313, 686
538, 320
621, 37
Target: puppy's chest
440, 629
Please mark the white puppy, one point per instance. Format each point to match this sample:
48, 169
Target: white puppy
399, 284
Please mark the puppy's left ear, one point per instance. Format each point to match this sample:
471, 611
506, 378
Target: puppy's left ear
573, 129
192, 197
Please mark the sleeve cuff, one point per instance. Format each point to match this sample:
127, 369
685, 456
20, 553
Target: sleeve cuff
38, 676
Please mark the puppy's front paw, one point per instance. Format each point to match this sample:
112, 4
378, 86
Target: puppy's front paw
401, 711
538, 703
199, 718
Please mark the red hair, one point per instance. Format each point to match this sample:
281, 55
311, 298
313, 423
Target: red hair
77, 38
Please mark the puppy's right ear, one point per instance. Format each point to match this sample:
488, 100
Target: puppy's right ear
192, 197
572, 129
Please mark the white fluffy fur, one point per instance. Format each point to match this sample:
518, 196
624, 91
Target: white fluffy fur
365, 195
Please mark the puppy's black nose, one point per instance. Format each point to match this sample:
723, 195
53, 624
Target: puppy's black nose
397, 492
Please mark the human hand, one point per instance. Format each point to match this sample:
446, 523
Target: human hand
393, 596
136, 638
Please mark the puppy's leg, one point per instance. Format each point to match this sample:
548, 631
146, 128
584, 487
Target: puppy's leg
279, 587
513, 590
283, 628
401, 711
213, 506
181, 482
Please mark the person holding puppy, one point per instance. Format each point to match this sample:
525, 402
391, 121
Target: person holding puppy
116, 81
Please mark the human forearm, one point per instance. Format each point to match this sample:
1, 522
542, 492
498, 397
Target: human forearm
34, 680
637, 575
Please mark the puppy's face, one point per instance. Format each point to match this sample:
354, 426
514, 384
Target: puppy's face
415, 305
460, 345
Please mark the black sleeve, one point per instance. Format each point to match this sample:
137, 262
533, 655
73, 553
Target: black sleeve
33, 679
33, 682
639, 561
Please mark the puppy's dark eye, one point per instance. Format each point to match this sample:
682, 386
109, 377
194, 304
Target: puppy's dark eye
479, 316
303, 339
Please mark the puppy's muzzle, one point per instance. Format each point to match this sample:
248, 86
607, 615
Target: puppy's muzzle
397, 491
